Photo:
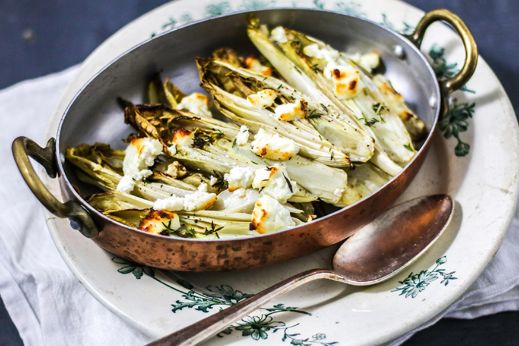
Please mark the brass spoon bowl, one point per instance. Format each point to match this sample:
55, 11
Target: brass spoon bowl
378, 252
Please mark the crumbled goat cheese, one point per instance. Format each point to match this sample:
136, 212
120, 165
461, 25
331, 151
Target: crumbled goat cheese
252, 63
198, 200
203, 187
196, 103
275, 182
279, 186
368, 61
270, 216
261, 178
346, 80
213, 180
263, 98
157, 221
126, 184
239, 177
314, 51
138, 157
172, 149
243, 135
183, 138
273, 146
175, 170
291, 111
173, 203
279, 35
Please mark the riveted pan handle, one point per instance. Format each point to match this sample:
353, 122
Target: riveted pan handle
471, 51
23, 148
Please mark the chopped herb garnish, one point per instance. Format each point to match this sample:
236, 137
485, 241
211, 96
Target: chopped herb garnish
182, 232
297, 45
220, 181
409, 147
368, 122
324, 107
314, 114
288, 182
316, 68
213, 230
379, 108
201, 139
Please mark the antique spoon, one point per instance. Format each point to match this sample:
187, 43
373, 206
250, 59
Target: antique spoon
377, 252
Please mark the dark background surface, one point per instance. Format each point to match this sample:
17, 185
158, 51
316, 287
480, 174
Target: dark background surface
40, 37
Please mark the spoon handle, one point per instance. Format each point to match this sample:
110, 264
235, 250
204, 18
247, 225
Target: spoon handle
209, 326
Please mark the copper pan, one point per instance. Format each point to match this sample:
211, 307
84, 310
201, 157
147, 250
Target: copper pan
93, 116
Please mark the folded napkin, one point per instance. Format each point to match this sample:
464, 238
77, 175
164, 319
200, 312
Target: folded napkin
49, 306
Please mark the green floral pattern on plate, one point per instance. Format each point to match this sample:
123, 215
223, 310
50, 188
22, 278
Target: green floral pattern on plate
413, 284
456, 120
222, 295
257, 327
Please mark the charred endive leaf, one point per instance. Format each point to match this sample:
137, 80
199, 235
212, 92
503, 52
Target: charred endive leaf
173, 94
212, 151
367, 178
161, 92
350, 86
210, 137
128, 217
345, 120
132, 210
364, 179
95, 171
228, 55
155, 93
414, 125
232, 89
307, 74
323, 123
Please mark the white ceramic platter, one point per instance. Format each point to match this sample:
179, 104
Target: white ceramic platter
484, 184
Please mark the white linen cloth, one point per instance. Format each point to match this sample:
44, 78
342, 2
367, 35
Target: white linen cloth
49, 306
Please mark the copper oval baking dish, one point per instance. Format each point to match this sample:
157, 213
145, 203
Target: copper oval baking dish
92, 116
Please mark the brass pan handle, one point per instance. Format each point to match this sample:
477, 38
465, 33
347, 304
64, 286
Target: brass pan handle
471, 51
23, 148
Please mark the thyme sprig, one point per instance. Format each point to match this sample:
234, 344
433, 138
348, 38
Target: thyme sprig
183, 232
368, 122
213, 230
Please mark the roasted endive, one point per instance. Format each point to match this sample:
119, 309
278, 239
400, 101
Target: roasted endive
216, 147
256, 101
333, 77
279, 137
